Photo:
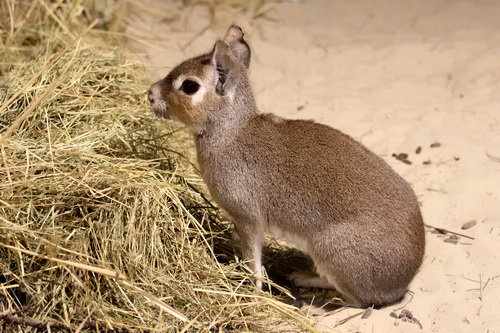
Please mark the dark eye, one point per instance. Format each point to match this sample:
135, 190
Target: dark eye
190, 87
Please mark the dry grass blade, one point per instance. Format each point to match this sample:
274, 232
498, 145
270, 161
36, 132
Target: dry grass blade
156, 301
22, 117
98, 270
44, 69
104, 223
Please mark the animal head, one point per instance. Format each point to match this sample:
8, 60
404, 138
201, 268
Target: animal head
200, 87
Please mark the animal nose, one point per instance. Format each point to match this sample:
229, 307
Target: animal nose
151, 97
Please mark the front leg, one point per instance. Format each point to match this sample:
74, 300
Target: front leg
249, 239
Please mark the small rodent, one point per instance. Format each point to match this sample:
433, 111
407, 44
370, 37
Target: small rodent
320, 189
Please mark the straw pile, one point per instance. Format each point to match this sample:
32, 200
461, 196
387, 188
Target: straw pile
103, 220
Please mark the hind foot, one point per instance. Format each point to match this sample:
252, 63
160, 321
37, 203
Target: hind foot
309, 280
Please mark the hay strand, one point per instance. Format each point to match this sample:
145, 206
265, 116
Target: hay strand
105, 224
35, 77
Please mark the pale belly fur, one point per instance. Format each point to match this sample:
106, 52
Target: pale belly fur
300, 243
295, 240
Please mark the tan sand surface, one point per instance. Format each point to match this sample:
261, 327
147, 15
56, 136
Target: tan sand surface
396, 75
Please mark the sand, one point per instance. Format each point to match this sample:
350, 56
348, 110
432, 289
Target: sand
399, 76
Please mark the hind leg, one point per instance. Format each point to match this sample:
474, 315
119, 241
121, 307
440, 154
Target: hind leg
309, 280
360, 286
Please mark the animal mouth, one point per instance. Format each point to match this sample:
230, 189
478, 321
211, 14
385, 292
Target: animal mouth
159, 105
160, 109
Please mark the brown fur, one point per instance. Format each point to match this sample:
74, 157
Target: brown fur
343, 205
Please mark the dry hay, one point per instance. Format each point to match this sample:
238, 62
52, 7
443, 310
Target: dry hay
103, 221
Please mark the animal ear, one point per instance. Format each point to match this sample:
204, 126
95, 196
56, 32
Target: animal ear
239, 47
226, 66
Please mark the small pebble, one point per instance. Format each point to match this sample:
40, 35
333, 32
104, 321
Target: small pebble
393, 315
403, 157
419, 149
469, 224
450, 240
435, 145
367, 313
407, 313
441, 231
427, 162
416, 321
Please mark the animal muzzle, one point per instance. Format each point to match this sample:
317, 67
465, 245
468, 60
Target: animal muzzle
159, 106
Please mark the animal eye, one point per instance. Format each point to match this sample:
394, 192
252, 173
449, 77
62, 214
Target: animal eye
190, 87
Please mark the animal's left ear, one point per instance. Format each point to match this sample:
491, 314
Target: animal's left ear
239, 47
226, 66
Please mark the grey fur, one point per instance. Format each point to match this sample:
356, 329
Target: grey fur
336, 200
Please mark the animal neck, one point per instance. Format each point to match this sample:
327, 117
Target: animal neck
227, 120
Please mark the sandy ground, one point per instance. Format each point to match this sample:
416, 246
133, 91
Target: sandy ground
396, 75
